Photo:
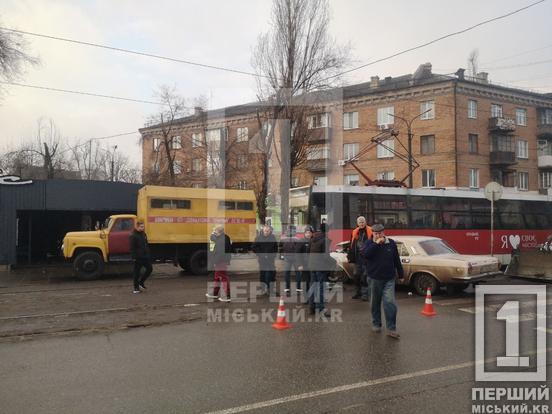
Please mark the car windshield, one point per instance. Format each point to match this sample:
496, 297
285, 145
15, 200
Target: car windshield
107, 222
435, 247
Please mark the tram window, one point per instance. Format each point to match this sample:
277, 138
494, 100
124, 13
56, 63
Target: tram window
389, 202
424, 203
391, 219
456, 221
511, 221
482, 221
455, 204
508, 206
425, 219
481, 205
536, 221
536, 207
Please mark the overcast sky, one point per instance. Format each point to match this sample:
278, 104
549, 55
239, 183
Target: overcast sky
223, 33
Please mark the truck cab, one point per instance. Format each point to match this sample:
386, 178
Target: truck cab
91, 250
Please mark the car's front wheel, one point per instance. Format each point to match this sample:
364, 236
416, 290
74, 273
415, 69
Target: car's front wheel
423, 281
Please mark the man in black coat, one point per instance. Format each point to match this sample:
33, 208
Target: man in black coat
140, 252
266, 248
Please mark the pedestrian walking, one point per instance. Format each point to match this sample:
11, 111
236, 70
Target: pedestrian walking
220, 248
290, 254
302, 260
359, 236
141, 256
383, 264
319, 264
266, 249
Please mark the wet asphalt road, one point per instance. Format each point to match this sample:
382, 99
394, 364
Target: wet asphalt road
202, 366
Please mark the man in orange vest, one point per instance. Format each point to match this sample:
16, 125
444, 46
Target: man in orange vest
360, 235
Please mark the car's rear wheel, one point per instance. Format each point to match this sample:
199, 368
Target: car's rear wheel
423, 281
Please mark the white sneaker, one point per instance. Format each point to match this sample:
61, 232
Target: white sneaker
286, 290
135, 291
298, 290
224, 299
211, 296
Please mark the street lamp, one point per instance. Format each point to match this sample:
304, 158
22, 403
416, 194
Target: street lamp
410, 136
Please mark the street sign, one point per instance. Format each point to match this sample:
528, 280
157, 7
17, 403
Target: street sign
493, 191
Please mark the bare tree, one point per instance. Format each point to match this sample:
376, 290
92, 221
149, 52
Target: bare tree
44, 151
296, 57
13, 56
172, 108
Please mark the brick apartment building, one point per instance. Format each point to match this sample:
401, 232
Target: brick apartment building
471, 132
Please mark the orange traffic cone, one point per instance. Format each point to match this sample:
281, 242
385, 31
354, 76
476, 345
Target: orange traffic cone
428, 307
281, 322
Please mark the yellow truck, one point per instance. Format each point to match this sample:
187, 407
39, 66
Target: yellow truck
178, 224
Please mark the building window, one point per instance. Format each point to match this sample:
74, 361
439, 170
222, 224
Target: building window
177, 167
321, 120
350, 150
156, 144
546, 117
197, 139
428, 178
522, 149
472, 109
473, 143
350, 120
321, 180
474, 178
544, 147
294, 182
521, 116
496, 111
196, 164
427, 144
318, 152
351, 179
386, 175
176, 142
523, 180
545, 179
427, 109
385, 149
242, 134
242, 185
386, 116
502, 143
242, 160
155, 167
196, 185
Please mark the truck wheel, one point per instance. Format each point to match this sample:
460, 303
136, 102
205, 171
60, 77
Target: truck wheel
198, 262
88, 266
422, 281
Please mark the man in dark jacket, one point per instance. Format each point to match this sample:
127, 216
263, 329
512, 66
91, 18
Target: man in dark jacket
359, 236
140, 252
220, 248
319, 263
266, 248
383, 263
290, 254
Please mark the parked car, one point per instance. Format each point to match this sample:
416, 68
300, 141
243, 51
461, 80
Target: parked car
429, 262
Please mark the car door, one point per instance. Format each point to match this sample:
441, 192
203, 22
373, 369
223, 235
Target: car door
405, 259
118, 239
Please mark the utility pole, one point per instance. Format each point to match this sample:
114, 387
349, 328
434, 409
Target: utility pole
113, 163
408, 123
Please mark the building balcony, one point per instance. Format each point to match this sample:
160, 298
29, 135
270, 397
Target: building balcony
318, 165
502, 157
544, 161
320, 134
544, 129
502, 124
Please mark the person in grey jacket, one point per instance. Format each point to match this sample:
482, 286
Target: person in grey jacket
266, 249
220, 248
291, 247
